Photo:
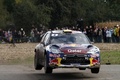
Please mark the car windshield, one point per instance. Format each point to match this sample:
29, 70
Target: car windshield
69, 38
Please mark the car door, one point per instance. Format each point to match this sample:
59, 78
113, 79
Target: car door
43, 44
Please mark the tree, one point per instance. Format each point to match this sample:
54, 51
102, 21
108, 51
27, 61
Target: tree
4, 15
57, 13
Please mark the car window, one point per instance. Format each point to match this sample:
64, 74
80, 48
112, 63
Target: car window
47, 37
43, 38
77, 38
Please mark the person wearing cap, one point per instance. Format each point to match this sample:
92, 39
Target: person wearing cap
117, 34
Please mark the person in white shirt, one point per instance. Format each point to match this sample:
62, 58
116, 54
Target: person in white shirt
108, 35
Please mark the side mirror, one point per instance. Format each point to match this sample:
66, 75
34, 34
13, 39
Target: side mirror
42, 43
92, 42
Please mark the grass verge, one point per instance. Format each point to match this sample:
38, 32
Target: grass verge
23, 53
112, 57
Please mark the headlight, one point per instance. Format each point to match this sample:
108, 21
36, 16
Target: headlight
55, 50
93, 55
94, 52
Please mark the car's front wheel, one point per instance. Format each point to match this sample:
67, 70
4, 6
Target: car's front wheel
95, 70
46, 67
37, 64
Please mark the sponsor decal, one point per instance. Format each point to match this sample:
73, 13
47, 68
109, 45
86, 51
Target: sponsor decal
54, 55
59, 61
70, 45
74, 50
56, 61
93, 61
73, 45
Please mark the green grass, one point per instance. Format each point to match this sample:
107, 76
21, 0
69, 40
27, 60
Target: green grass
112, 57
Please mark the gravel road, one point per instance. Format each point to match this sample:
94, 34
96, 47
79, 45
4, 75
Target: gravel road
22, 72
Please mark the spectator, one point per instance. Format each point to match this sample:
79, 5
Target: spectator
113, 36
108, 35
32, 35
95, 34
1, 35
22, 35
35, 34
117, 34
104, 34
87, 32
99, 35
91, 33
84, 31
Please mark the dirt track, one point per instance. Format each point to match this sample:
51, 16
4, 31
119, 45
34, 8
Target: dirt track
17, 72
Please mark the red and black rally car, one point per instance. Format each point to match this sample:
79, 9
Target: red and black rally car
66, 49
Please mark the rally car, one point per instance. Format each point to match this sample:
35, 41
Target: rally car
66, 49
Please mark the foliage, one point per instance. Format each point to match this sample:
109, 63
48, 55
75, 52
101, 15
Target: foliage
56, 13
3, 15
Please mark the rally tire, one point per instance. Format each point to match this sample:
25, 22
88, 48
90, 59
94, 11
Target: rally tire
95, 70
47, 69
37, 64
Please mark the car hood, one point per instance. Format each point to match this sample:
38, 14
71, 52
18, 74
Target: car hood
76, 48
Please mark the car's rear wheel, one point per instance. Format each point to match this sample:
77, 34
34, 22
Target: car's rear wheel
46, 67
37, 64
95, 70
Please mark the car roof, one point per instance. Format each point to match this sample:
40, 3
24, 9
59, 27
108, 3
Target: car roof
62, 31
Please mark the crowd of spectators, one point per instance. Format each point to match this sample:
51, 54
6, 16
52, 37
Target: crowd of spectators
12, 36
96, 34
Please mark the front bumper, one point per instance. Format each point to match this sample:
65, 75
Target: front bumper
77, 66
74, 62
